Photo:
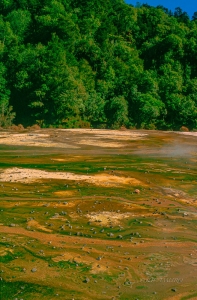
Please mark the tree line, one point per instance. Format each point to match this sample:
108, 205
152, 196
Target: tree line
100, 63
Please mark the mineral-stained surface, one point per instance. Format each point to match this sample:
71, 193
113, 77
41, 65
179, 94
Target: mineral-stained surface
98, 214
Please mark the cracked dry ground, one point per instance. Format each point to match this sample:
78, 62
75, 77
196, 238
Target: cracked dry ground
98, 214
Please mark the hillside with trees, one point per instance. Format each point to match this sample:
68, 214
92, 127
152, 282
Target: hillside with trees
100, 63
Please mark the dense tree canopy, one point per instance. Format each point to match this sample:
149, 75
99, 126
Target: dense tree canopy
100, 62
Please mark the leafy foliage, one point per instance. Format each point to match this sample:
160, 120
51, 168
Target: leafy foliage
81, 63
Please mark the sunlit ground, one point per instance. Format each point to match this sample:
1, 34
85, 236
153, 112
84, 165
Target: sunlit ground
98, 214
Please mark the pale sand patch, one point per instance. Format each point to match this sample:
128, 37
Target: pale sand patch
4, 252
28, 139
59, 159
106, 217
110, 135
99, 143
30, 175
188, 201
97, 137
65, 193
106, 132
110, 180
58, 217
188, 133
35, 224
73, 158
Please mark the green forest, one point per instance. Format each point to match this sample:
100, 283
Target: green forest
97, 63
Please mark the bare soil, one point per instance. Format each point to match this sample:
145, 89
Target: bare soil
98, 214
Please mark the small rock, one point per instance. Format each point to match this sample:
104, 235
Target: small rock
34, 270
127, 282
137, 191
87, 280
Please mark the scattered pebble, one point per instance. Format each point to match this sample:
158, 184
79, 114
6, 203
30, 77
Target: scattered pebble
87, 280
34, 270
137, 191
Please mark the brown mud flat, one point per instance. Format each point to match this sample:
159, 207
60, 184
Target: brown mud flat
98, 214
